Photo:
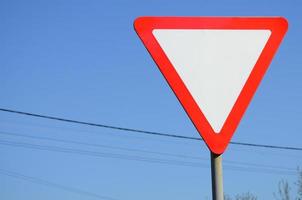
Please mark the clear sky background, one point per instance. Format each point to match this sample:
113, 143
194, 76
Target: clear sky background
82, 60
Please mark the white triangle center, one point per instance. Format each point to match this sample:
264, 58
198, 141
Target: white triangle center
213, 64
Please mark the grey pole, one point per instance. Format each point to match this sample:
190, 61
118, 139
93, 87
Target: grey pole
217, 179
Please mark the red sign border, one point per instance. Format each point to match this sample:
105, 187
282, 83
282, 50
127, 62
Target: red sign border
216, 142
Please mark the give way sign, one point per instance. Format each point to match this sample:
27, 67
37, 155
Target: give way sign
213, 65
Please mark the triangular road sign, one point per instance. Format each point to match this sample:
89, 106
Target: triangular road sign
213, 64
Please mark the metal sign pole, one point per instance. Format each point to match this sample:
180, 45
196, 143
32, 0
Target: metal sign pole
217, 179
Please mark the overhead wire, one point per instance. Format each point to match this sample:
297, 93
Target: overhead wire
143, 131
100, 154
141, 158
52, 184
64, 131
96, 145
133, 149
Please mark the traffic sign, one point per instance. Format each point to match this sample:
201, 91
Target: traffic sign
213, 64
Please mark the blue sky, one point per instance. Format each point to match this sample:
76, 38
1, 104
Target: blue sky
83, 60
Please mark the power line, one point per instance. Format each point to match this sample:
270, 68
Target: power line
143, 131
141, 158
62, 130
134, 150
97, 145
51, 184
101, 154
